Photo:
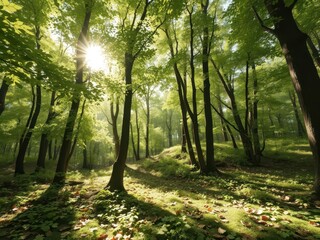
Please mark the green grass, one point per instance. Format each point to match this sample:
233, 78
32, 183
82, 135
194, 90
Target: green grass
166, 199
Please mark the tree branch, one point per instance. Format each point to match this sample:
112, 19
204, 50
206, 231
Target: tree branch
224, 119
269, 30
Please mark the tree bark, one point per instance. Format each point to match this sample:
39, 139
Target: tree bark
114, 120
303, 73
148, 121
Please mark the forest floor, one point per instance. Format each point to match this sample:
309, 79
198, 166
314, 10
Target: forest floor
165, 199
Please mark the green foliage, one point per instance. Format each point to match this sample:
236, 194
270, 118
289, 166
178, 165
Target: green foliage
168, 167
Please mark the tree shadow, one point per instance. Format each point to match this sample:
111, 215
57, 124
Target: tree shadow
48, 217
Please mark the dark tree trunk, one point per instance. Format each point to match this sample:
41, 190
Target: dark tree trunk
116, 180
114, 120
24, 141
183, 104
183, 138
148, 121
65, 149
206, 43
3, 92
50, 150
194, 112
169, 127
245, 139
44, 142
138, 134
303, 73
254, 120
234, 143
300, 128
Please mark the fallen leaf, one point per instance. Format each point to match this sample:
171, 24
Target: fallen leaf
265, 218
221, 230
102, 236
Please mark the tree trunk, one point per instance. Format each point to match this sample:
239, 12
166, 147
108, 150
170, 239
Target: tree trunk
210, 163
3, 92
44, 142
133, 144
116, 180
303, 73
138, 134
24, 142
114, 120
85, 164
148, 121
65, 149
254, 125
169, 127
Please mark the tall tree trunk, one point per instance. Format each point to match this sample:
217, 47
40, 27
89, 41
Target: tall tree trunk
314, 50
234, 143
245, 139
194, 112
183, 139
44, 142
138, 133
206, 43
65, 149
169, 127
300, 128
3, 92
114, 120
24, 142
303, 73
148, 121
183, 103
116, 180
254, 125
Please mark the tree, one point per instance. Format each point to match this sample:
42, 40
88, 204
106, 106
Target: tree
135, 32
302, 70
65, 150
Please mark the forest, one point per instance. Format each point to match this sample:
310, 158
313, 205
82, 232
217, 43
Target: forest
159, 119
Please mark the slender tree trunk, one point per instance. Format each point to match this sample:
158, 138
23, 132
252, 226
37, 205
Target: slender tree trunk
169, 127
206, 43
114, 120
24, 141
303, 73
116, 180
44, 142
3, 92
300, 128
194, 112
148, 122
254, 125
138, 133
50, 150
245, 139
183, 139
234, 143
65, 149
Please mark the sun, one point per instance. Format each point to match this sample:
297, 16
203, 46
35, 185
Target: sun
95, 58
